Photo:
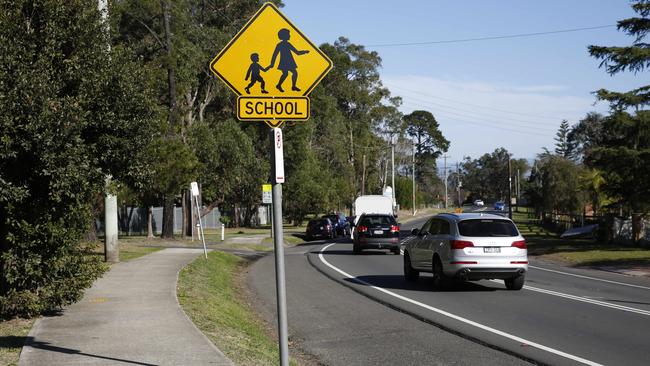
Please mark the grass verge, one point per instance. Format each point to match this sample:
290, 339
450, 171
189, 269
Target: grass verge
12, 337
210, 293
129, 251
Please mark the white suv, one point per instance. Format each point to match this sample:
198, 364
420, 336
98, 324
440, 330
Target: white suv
467, 246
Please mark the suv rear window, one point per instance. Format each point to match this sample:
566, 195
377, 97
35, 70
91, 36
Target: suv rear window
371, 220
487, 227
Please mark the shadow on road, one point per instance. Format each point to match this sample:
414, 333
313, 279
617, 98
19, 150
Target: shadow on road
425, 283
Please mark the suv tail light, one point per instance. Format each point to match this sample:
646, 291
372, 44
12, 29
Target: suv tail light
460, 244
394, 229
328, 226
362, 229
521, 244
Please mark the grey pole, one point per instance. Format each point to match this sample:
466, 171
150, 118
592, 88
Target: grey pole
392, 164
413, 179
445, 156
111, 248
509, 189
278, 239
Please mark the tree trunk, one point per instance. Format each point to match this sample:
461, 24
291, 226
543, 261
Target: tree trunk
150, 222
186, 212
638, 230
168, 218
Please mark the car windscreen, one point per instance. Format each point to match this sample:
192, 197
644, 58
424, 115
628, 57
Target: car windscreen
377, 220
487, 227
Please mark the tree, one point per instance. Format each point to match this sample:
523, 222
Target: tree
585, 135
429, 142
562, 147
555, 183
624, 154
70, 114
487, 176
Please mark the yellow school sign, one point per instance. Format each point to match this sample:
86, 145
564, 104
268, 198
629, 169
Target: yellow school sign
272, 67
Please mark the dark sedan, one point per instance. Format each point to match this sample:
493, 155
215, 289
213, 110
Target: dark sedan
376, 231
320, 228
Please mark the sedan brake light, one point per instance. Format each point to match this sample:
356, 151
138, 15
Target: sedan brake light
460, 244
521, 244
362, 229
394, 229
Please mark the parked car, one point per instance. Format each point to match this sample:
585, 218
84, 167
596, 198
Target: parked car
376, 231
479, 203
320, 228
499, 205
467, 246
341, 224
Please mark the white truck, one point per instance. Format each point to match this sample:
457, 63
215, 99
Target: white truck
372, 204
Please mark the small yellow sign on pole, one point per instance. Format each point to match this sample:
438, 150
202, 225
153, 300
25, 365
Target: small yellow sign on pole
273, 67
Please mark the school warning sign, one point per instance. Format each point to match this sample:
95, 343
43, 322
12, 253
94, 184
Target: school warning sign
272, 66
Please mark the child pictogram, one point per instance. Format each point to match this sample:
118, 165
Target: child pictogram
287, 63
254, 73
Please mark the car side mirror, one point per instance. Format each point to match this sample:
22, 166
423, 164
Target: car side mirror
415, 232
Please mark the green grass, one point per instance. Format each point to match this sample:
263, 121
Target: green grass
12, 337
290, 240
210, 293
604, 257
129, 251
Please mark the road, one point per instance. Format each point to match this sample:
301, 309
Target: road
562, 317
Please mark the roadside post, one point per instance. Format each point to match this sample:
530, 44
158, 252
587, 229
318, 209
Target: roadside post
256, 65
194, 187
267, 200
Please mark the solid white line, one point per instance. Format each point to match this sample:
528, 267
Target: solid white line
456, 317
590, 278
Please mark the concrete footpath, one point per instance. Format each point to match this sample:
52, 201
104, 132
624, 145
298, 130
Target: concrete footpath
129, 316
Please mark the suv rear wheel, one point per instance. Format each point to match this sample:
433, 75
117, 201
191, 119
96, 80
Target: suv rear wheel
410, 274
516, 283
440, 281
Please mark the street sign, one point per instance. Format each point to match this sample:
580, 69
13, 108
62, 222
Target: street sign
194, 187
263, 108
271, 58
279, 156
267, 194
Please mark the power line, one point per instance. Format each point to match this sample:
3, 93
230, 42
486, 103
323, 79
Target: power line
520, 35
478, 105
485, 124
497, 119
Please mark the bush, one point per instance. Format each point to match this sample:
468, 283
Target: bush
65, 123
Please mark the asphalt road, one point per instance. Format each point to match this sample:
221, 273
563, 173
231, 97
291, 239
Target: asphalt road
562, 317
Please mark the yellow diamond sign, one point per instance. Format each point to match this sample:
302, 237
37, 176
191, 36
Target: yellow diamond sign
272, 66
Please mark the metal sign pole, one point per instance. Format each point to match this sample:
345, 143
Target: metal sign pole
194, 187
278, 239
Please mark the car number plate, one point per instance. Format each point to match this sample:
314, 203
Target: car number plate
492, 250
378, 232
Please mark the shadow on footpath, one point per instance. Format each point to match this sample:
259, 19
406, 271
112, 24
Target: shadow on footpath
29, 341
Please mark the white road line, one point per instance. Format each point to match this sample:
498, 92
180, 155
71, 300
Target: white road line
456, 317
590, 278
584, 299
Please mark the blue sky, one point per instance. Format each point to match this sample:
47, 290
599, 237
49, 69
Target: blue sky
510, 93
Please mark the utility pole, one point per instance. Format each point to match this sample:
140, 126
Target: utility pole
517, 192
413, 179
111, 246
363, 177
446, 194
509, 189
458, 185
392, 164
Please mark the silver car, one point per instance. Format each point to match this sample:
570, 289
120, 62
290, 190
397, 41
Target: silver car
467, 246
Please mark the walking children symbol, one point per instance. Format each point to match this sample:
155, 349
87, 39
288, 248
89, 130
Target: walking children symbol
287, 64
254, 73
